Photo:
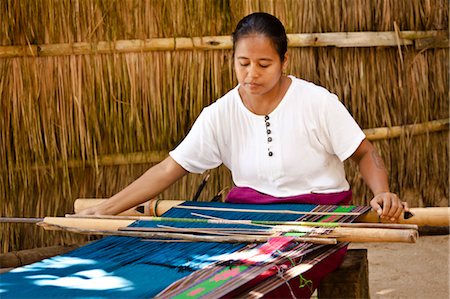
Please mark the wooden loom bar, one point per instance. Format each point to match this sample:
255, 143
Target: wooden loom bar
24, 257
149, 208
248, 222
111, 228
431, 216
158, 156
108, 226
335, 39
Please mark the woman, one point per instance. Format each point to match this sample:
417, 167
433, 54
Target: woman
284, 139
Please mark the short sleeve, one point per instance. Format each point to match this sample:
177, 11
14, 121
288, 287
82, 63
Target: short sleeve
343, 134
199, 150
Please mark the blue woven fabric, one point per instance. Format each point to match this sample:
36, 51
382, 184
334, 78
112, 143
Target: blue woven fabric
126, 267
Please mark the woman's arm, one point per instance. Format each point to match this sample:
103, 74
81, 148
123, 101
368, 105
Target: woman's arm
374, 173
151, 183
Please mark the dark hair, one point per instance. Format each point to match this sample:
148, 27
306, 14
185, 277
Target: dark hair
266, 24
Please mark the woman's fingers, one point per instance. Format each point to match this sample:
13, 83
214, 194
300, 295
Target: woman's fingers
388, 206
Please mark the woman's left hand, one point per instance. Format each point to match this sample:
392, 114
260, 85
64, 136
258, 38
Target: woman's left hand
388, 206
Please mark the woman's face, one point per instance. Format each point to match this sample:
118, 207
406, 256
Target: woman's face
257, 65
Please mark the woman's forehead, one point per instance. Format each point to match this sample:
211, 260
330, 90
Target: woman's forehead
255, 44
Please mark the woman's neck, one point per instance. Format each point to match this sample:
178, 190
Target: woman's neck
266, 103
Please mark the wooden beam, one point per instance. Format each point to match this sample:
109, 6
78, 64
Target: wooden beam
24, 257
414, 129
112, 226
330, 39
441, 40
430, 216
158, 156
111, 160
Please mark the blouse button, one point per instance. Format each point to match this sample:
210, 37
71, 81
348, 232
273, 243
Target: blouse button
270, 154
269, 131
269, 139
267, 123
266, 117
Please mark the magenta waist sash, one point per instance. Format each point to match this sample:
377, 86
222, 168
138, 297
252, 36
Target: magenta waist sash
250, 196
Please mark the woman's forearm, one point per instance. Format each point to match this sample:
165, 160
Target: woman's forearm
371, 166
373, 171
150, 184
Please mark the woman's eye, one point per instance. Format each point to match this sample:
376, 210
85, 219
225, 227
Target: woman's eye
245, 64
264, 65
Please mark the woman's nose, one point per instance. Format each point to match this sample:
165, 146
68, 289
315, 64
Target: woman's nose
252, 72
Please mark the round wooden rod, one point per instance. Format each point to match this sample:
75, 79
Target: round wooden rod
431, 216
223, 42
157, 156
152, 207
342, 234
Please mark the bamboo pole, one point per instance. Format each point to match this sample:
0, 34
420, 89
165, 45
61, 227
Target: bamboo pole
85, 223
414, 129
113, 160
148, 208
431, 216
24, 257
335, 39
264, 223
113, 226
158, 156
349, 234
84, 227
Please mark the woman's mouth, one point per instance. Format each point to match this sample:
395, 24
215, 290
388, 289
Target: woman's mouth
252, 84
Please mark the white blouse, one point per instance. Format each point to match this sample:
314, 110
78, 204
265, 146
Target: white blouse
298, 149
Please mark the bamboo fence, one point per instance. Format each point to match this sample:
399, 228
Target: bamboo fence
95, 92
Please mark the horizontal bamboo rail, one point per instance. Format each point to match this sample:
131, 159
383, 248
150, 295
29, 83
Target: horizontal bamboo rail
112, 227
430, 216
157, 156
434, 38
108, 227
414, 129
24, 257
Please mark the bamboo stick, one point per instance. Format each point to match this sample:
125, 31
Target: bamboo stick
440, 41
430, 216
108, 226
203, 230
140, 210
28, 256
112, 160
336, 39
349, 234
251, 222
87, 223
157, 156
414, 129
150, 208
20, 220
179, 236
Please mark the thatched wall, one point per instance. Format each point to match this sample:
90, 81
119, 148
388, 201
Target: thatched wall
70, 122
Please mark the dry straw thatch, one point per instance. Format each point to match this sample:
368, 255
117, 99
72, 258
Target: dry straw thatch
138, 105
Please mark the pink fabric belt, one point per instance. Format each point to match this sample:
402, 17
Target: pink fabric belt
251, 196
